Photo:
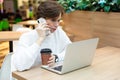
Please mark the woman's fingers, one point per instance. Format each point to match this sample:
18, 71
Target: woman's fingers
51, 61
47, 31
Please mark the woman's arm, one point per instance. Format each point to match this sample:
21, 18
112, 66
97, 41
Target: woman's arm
27, 50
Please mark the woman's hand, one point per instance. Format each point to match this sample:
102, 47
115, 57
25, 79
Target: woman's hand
43, 30
51, 61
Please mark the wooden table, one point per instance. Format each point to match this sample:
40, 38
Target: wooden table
9, 36
105, 66
32, 23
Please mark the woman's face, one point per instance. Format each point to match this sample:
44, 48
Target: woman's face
53, 23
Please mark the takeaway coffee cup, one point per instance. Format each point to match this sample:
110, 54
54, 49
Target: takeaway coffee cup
45, 55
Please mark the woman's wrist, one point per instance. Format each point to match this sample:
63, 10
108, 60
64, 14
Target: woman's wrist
56, 58
40, 40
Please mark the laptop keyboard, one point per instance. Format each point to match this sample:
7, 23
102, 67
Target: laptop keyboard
58, 68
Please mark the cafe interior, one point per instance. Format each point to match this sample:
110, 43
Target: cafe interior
19, 16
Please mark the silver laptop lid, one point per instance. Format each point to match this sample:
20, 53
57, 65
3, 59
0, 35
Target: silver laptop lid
79, 54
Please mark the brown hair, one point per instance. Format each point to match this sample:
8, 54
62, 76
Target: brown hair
49, 9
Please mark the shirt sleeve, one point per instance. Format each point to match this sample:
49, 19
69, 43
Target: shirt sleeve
63, 42
61, 55
26, 53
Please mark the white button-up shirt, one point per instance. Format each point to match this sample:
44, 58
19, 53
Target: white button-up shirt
28, 54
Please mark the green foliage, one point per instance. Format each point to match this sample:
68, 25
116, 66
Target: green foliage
91, 5
4, 25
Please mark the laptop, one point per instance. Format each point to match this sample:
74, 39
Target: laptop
78, 55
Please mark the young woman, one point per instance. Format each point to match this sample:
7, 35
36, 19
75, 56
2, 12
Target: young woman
30, 44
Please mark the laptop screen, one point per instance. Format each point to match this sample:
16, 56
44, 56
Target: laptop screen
58, 68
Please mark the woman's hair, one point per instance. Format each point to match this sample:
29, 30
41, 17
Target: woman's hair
49, 9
